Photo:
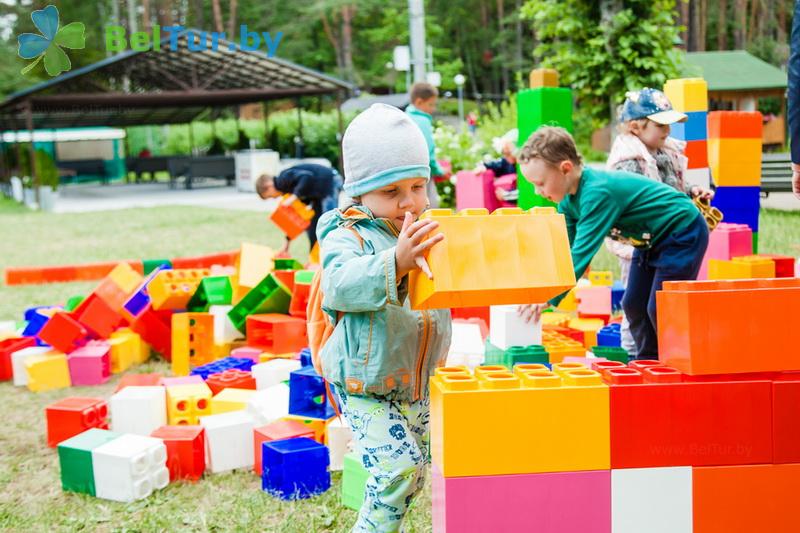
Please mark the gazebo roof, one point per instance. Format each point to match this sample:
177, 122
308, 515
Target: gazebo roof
735, 70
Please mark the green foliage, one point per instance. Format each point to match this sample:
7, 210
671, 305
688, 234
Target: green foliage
495, 121
769, 50
46, 169
449, 106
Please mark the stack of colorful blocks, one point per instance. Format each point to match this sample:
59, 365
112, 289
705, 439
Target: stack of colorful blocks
690, 96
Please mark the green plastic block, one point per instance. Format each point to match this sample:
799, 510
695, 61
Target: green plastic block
73, 302
215, 290
755, 242
354, 481
304, 276
288, 264
493, 355
535, 353
75, 457
151, 264
269, 296
612, 353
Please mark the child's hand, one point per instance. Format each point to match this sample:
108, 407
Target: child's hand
499, 192
531, 312
410, 251
702, 193
289, 200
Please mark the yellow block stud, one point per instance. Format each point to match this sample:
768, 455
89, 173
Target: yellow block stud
172, 289
603, 278
230, 399
543, 77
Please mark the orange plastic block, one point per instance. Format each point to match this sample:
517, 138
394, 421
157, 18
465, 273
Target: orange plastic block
687, 94
254, 264
117, 287
172, 289
192, 341
508, 257
276, 333
293, 219
697, 152
559, 346
98, 316
746, 267
589, 327
784, 264
543, 77
205, 261
735, 125
715, 327
65, 273
735, 162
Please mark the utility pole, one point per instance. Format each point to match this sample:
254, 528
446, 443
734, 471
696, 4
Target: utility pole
416, 23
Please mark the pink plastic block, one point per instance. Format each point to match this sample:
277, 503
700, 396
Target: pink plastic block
726, 242
593, 301
182, 380
475, 190
249, 352
90, 364
507, 183
562, 502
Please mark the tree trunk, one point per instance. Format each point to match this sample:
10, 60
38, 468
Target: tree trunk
701, 30
199, 15
218, 17
348, 12
781, 30
685, 22
518, 29
164, 13
146, 15
232, 19
752, 25
722, 25
334, 40
741, 24
503, 55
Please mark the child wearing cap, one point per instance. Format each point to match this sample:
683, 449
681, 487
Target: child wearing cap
381, 353
668, 232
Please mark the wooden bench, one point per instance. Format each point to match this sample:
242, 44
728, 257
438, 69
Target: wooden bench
776, 173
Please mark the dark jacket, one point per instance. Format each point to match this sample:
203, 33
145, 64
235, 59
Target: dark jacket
309, 182
501, 167
794, 86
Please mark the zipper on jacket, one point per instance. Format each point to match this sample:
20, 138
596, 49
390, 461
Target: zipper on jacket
426, 326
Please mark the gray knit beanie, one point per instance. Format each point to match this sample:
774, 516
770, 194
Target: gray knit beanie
381, 146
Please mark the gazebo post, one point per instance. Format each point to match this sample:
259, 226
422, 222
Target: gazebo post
340, 134
31, 150
265, 113
299, 144
191, 139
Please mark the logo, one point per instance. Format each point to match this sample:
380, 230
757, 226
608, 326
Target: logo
117, 40
49, 44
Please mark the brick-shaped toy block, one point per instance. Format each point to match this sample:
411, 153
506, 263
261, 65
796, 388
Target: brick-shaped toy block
72, 416
230, 399
784, 264
127, 349
180, 380
221, 365
276, 333
697, 153
702, 329
231, 378
295, 468
172, 289
572, 412
192, 341
726, 170
594, 301
119, 285
98, 317
354, 481
254, 263
75, 459
739, 205
338, 438
308, 395
139, 300
229, 441
214, 290
224, 330
277, 430
130, 468
476, 190
735, 125
502, 502
725, 242
90, 364
186, 455
139, 380
559, 346
250, 352
740, 269
589, 327
8, 347
687, 94
543, 77
273, 372
530, 249
64, 333
509, 329
601, 278
186, 403
785, 413
722, 421
526, 355
611, 353
269, 404
694, 129
138, 410
47, 371
300, 293
292, 219
269, 296
610, 335
656, 500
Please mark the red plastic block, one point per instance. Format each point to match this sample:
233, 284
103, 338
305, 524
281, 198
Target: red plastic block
139, 380
9, 346
65, 273
786, 418
735, 125
784, 265
71, 416
98, 316
286, 277
155, 331
206, 261
697, 152
64, 333
472, 312
278, 430
299, 303
658, 420
276, 333
186, 456
231, 378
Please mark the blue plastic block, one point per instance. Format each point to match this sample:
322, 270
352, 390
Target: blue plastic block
305, 357
739, 205
617, 292
694, 129
308, 395
609, 336
221, 365
295, 469
36, 321
138, 301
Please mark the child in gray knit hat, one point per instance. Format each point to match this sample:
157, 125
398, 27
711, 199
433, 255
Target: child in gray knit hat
381, 354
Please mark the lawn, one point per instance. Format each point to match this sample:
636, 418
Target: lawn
30, 494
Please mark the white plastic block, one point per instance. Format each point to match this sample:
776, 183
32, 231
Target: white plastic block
339, 437
698, 177
470, 361
18, 362
139, 410
129, 468
268, 405
466, 340
655, 500
273, 372
229, 441
224, 330
508, 329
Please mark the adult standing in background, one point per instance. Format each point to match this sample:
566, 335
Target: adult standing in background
794, 99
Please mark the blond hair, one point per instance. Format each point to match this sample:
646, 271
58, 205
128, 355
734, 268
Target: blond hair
628, 125
551, 144
263, 182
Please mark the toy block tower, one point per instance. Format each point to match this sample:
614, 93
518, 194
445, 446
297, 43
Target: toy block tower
544, 104
690, 96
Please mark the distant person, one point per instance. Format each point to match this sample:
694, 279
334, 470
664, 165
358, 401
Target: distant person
472, 122
424, 97
794, 99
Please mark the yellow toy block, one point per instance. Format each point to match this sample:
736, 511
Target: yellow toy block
125, 277
230, 399
221, 350
255, 262
559, 346
126, 350
317, 424
543, 77
508, 257
735, 162
267, 356
555, 319
745, 267
47, 371
186, 403
760, 267
603, 278
172, 289
192, 341
519, 423
589, 327
687, 94
562, 369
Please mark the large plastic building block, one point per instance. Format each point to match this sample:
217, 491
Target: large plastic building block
308, 395
138, 410
656, 500
127, 348
229, 441
71, 416
287, 263
269, 404
702, 329
192, 341
90, 364
64, 333
277, 430
118, 285
139, 380
186, 403
571, 410
250, 352
739, 205
694, 129
338, 438
286, 277
784, 264
18, 358
230, 399
726, 242
129, 468
172, 289
785, 413
354, 481
292, 219
186, 455
525, 355
273, 372
593, 301
611, 353
98, 317
504, 503
276, 333
295, 468
466, 345
231, 378
150, 265
206, 261
214, 290
9, 346
476, 190
735, 125
269, 296
36, 318
697, 153
743, 499
589, 327
609, 335
300, 293
755, 266
687, 94
139, 300
509, 329
224, 330
75, 459
727, 173
221, 365
543, 77
54, 274
723, 422
180, 380
531, 250
47, 371
559, 346
617, 292
254, 263
601, 278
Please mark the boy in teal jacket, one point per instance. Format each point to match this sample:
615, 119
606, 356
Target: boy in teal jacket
424, 97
